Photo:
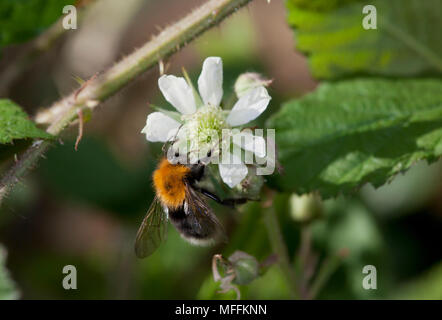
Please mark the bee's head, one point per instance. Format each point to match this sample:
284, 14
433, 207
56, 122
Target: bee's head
190, 158
197, 171
175, 157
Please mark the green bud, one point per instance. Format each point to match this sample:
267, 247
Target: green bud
245, 266
248, 81
306, 207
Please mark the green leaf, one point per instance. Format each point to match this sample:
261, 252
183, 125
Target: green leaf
405, 42
24, 19
15, 124
7, 286
348, 133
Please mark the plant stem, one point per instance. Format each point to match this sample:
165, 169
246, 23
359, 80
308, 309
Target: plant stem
305, 261
279, 247
169, 41
304, 249
63, 112
327, 268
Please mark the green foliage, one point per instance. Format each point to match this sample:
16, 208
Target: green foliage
15, 124
235, 42
95, 175
24, 19
423, 287
349, 133
349, 227
405, 42
7, 287
401, 197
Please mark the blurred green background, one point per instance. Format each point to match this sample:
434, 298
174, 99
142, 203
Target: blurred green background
83, 208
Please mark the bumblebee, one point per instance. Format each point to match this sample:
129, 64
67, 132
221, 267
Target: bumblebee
181, 201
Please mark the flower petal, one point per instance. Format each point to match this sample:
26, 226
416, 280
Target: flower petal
178, 93
249, 107
210, 82
160, 127
233, 173
252, 143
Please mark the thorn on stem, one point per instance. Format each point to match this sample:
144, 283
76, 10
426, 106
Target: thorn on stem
80, 128
84, 85
162, 67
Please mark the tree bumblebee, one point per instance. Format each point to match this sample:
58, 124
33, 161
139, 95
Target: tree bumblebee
180, 200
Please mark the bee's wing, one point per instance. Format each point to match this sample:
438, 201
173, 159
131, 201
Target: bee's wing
200, 217
153, 230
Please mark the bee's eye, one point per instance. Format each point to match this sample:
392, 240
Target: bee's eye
177, 154
209, 153
199, 161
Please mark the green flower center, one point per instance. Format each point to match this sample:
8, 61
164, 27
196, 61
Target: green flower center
205, 126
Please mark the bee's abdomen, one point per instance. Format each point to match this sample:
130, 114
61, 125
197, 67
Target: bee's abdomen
190, 229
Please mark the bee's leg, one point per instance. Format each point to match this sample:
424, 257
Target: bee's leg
226, 202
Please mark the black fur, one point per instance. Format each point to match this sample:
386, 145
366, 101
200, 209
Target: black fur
188, 226
196, 173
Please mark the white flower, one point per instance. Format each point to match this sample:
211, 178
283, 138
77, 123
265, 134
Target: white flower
198, 121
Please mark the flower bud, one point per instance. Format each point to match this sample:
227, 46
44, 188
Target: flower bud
245, 266
248, 81
306, 207
239, 269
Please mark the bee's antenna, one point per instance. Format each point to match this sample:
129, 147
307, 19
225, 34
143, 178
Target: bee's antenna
171, 141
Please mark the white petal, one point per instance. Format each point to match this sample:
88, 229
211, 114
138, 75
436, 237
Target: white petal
210, 82
160, 127
250, 142
178, 93
249, 107
233, 173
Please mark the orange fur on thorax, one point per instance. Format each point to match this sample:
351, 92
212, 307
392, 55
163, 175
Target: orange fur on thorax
168, 180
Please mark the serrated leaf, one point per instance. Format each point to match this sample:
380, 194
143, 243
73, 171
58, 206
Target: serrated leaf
15, 124
405, 42
7, 286
348, 133
24, 19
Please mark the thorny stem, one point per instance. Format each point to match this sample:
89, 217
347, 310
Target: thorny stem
279, 247
63, 112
